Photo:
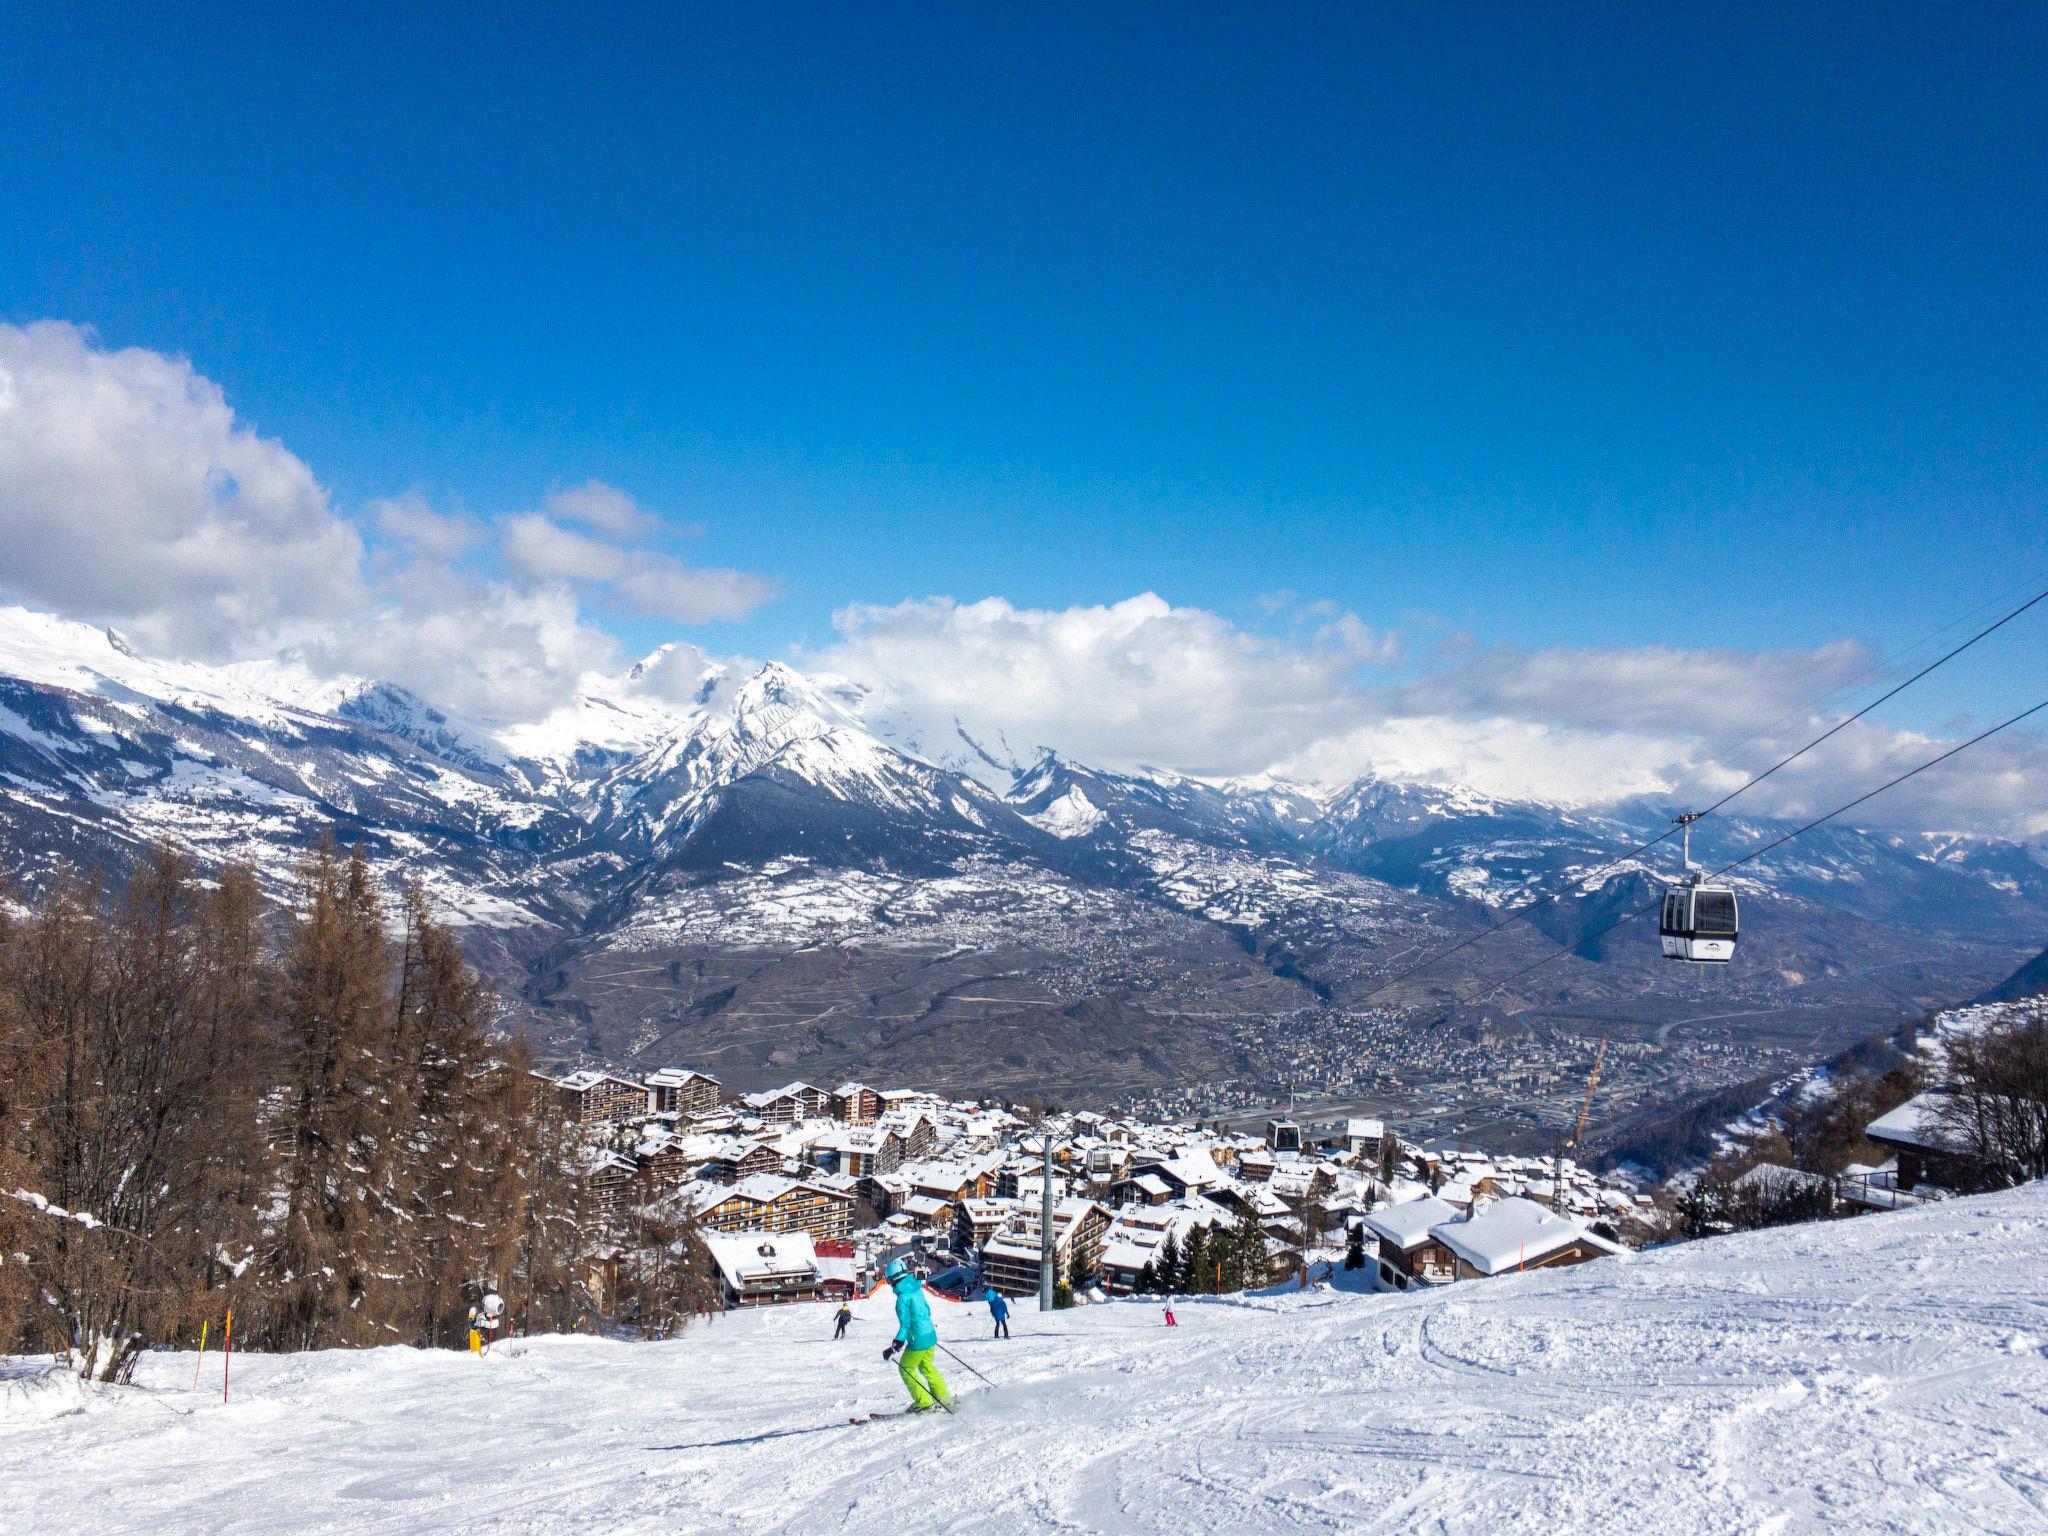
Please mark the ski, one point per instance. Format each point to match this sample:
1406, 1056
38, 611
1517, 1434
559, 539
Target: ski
897, 1413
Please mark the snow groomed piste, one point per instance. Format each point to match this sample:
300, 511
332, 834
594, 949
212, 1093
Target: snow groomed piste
1884, 1374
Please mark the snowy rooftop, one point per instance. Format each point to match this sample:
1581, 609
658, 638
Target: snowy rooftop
751, 1257
1915, 1123
1506, 1234
1407, 1226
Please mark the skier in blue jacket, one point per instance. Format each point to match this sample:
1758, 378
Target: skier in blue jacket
916, 1341
999, 1309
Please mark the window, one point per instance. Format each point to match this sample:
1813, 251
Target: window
1713, 913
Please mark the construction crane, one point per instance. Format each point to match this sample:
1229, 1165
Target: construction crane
1578, 1130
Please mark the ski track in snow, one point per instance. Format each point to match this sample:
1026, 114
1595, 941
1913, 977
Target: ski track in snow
1885, 1374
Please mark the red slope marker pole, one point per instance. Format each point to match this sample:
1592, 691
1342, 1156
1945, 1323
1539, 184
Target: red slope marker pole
227, 1358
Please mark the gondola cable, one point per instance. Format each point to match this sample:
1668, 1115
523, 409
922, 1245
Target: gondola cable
1599, 870
1756, 853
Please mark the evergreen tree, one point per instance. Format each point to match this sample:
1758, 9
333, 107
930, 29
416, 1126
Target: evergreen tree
1354, 1247
1080, 1273
1248, 1249
1148, 1279
1198, 1263
1167, 1269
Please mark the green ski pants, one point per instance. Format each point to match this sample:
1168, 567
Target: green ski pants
920, 1374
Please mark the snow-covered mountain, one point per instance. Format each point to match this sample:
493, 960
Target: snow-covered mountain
723, 812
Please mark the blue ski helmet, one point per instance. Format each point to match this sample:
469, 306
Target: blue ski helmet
896, 1271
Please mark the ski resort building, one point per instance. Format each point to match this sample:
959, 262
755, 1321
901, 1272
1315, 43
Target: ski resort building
767, 1203
757, 1269
975, 1222
678, 1091
857, 1104
609, 1181
1365, 1138
790, 1104
1925, 1150
1009, 1260
1408, 1250
1135, 1235
600, 1098
1515, 1234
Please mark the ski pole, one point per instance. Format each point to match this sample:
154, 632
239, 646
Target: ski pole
958, 1361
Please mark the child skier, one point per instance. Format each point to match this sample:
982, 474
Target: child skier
999, 1309
917, 1340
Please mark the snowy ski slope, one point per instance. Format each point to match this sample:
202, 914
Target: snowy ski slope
1885, 1374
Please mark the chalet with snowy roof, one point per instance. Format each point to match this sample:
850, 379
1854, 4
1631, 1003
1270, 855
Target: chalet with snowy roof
864, 1152
1516, 1234
1407, 1250
856, 1104
679, 1091
766, 1203
1928, 1155
1137, 1232
929, 1212
1009, 1260
1156, 1180
600, 1098
758, 1269
839, 1271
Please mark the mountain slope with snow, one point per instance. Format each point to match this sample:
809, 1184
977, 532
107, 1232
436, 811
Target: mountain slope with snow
1879, 1375
686, 822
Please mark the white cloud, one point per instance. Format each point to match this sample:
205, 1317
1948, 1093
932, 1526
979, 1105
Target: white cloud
603, 507
130, 494
553, 553
1145, 682
408, 520
664, 588
1121, 683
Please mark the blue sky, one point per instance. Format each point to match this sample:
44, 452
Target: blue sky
1594, 326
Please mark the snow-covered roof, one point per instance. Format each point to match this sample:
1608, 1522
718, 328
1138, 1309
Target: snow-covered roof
1915, 1123
787, 1091
1774, 1176
675, 1077
1505, 1234
589, 1078
749, 1258
1408, 1226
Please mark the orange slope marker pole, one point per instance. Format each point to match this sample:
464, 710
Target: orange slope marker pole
228, 1358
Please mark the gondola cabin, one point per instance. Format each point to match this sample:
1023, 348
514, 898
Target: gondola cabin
1698, 922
